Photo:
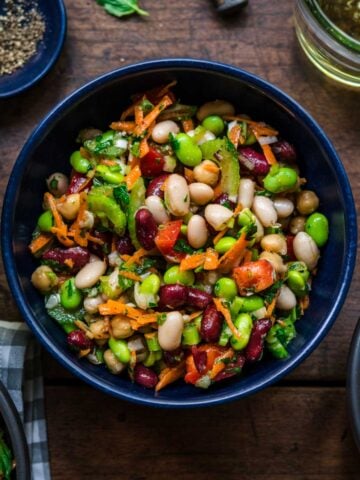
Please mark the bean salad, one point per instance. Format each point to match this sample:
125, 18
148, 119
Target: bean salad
182, 245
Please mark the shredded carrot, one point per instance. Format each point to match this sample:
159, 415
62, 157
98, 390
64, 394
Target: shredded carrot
60, 228
219, 363
139, 115
113, 244
219, 236
234, 135
190, 262
211, 259
170, 375
195, 315
127, 113
152, 116
134, 162
115, 307
75, 228
69, 262
304, 302
234, 255
107, 162
247, 256
132, 177
136, 257
39, 243
130, 275
211, 167
125, 257
165, 89
189, 175
187, 125
220, 308
145, 320
127, 127
259, 126
269, 154
271, 307
85, 153
238, 209
144, 148
217, 190
93, 239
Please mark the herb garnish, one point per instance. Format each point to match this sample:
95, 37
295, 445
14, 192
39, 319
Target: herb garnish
121, 8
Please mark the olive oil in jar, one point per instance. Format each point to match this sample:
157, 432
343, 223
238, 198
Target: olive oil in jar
345, 14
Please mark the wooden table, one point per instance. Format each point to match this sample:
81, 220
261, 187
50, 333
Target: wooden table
297, 429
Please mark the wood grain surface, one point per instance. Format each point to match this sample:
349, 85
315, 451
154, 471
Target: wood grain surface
297, 430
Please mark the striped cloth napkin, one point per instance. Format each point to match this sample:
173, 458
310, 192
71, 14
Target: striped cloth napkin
20, 372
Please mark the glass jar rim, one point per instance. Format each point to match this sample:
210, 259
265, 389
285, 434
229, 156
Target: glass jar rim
331, 28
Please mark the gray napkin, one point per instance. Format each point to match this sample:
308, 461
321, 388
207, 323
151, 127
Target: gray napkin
20, 372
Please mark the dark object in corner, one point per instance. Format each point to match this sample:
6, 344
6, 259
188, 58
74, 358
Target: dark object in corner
229, 6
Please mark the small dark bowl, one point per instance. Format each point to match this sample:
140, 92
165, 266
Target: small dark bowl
97, 104
353, 385
10, 423
47, 53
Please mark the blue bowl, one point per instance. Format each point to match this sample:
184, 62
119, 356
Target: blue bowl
47, 53
101, 101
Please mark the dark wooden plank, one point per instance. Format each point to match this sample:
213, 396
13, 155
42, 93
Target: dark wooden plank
292, 433
260, 39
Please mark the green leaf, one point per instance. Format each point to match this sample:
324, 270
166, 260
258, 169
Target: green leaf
64, 318
122, 196
121, 8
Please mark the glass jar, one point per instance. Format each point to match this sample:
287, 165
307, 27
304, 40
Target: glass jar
330, 49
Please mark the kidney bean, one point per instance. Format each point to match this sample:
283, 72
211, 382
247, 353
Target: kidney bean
224, 200
172, 296
253, 161
124, 246
155, 186
211, 324
78, 256
146, 228
198, 299
105, 248
144, 376
78, 182
152, 163
231, 369
174, 357
284, 151
200, 359
255, 346
77, 340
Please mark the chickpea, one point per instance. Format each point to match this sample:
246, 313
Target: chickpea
44, 279
91, 304
274, 243
297, 224
113, 363
57, 184
70, 207
307, 202
120, 327
100, 329
207, 172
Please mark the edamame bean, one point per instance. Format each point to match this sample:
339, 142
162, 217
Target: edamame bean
317, 226
244, 325
214, 123
174, 275
225, 288
280, 179
297, 278
70, 295
46, 221
150, 285
79, 163
224, 244
152, 358
120, 349
246, 304
186, 151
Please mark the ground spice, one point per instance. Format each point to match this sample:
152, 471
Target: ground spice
21, 29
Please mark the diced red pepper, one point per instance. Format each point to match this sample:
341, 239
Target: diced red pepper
152, 164
167, 236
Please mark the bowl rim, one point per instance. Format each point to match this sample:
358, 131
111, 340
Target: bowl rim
16, 433
353, 384
11, 92
165, 64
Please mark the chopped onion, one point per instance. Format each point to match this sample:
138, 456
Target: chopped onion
53, 301
121, 143
267, 140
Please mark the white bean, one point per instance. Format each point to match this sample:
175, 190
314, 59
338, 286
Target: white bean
207, 172
275, 260
88, 220
200, 193
157, 209
217, 107
306, 250
286, 299
162, 130
264, 209
284, 207
197, 232
170, 332
70, 207
91, 304
217, 215
246, 192
113, 363
177, 195
274, 243
90, 274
